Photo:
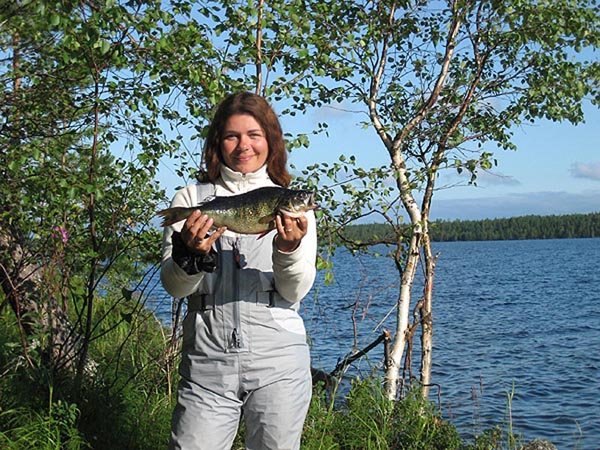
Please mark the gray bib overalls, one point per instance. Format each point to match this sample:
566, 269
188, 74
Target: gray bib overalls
244, 349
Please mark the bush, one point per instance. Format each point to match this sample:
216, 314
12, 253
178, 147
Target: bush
368, 420
125, 404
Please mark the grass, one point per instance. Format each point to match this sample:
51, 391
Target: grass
52, 429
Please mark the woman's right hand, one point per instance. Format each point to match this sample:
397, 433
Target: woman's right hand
195, 233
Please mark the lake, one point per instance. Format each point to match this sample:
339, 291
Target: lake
520, 317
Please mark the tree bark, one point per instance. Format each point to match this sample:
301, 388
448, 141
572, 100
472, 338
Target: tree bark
426, 317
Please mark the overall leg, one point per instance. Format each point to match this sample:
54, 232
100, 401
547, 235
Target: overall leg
203, 419
275, 413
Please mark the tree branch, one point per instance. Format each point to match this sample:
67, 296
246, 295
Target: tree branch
375, 84
259, 47
349, 359
439, 84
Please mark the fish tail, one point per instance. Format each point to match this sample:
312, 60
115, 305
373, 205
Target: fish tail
174, 215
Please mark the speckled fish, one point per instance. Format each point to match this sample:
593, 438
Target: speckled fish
249, 213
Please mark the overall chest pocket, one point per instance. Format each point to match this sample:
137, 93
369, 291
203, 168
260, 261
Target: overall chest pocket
201, 336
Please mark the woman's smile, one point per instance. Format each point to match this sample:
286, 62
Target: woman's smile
244, 145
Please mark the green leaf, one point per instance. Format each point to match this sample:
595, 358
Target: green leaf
329, 278
104, 46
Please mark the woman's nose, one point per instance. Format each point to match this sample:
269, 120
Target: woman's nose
244, 143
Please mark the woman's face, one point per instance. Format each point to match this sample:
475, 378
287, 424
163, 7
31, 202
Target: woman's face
244, 144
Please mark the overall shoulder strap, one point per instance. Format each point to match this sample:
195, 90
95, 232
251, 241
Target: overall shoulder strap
205, 191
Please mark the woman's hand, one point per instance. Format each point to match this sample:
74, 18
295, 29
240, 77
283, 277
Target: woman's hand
290, 231
195, 233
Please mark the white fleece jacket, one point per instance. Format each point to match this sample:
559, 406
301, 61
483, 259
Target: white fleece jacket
294, 273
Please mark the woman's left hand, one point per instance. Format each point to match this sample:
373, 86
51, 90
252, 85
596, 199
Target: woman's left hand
290, 231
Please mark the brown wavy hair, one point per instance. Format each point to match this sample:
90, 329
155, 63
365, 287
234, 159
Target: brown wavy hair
257, 107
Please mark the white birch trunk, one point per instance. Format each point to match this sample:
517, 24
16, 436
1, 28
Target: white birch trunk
427, 318
392, 374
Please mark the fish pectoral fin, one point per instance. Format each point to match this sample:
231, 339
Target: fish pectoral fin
292, 214
267, 219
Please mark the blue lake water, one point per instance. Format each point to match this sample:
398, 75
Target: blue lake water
509, 316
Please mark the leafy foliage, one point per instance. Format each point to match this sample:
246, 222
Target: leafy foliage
498, 71
368, 420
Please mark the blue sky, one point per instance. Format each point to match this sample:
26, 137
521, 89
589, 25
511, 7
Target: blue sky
556, 169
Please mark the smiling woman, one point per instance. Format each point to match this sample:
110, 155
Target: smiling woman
244, 147
256, 118
243, 293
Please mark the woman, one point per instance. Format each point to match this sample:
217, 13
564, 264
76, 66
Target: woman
244, 343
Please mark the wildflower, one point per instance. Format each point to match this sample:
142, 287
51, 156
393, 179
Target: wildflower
61, 233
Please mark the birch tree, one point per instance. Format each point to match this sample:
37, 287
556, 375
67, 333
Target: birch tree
443, 84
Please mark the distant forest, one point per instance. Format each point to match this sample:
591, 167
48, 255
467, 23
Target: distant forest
514, 228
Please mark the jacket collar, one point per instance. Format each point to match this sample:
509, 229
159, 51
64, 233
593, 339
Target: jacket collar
237, 182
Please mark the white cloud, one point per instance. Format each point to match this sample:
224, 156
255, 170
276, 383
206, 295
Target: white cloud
339, 112
514, 205
590, 171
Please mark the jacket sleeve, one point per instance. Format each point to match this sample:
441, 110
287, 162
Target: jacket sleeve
294, 273
174, 279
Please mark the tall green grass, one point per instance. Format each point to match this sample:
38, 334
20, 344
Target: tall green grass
127, 403
52, 429
368, 420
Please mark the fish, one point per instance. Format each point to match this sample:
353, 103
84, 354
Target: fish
252, 212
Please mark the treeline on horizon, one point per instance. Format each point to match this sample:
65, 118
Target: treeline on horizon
514, 228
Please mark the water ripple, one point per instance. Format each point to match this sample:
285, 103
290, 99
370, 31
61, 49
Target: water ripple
509, 317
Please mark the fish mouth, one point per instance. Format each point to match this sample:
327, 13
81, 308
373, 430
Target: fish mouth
307, 204
311, 202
